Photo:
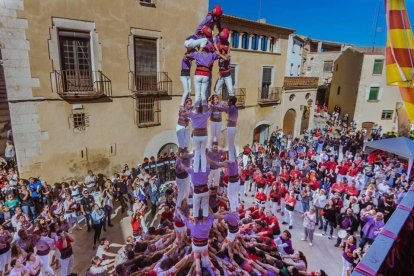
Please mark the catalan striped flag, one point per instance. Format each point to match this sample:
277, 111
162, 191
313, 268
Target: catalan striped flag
400, 53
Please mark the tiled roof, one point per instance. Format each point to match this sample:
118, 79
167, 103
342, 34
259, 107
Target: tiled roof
300, 82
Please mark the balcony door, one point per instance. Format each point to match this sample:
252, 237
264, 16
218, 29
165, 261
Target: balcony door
146, 64
75, 53
266, 82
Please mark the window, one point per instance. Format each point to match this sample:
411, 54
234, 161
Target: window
327, 66
387, 114
271, 41
255, 42
378, 65
309, 68
373, 94
264, 44
79, 121
338, 91
291, 69
245, 41
298, 72
75, 59
266, 81
145, 60
235, 40
148, 3
148, 111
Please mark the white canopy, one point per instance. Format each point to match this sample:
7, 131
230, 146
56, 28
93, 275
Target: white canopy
401, 146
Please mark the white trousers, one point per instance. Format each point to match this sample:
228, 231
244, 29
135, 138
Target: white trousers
229, 85
231, 134
215, 132
288, 217
233, 194
183, 187
183, 136
186, 82
274, 206
200, 201
200, 87
214, 178
193, 43
5, 259
47, 270
66, 266
245, 160
345, 266
200, 145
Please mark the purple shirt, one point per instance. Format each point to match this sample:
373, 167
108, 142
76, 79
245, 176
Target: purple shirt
216, 111
199, 178
232, 219
214, 156
183, 116
179, 165
185, 63
209, 22
199, 120
288, 246
232, 168
200, 230
351, 247
224, 64
204, 59
372, 227
232, 113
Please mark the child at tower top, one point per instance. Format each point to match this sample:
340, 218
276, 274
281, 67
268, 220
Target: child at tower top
212, 19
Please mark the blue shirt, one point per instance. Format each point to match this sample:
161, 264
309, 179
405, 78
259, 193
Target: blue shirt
96, 216
35, 188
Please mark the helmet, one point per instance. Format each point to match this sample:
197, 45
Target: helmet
217, 11
224, 34
206, 31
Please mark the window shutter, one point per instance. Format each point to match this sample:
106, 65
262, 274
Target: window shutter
367, 91
380, 94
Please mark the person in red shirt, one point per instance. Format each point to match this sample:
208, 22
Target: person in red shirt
339, 187
167, 216
136, 224
310, 153
342, 170
261, 198
331, 164
64, 245
351, 190
284, 175
352, 172
273, 228
258, 214
274, 198
295, 173
290, 202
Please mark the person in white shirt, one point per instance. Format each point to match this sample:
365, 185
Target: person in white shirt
90, 181
100, 266
9, 153
33, 264
18, 269
382, 187
319, 201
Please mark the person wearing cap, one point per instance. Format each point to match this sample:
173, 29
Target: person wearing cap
213, 19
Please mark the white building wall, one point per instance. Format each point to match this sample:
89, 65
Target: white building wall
389, 97
294, 57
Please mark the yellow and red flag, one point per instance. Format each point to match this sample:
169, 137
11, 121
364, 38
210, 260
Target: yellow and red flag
400, 53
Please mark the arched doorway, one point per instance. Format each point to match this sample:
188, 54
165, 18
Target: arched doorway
305, 118
368, 126
261, 133
289, 122
168, 148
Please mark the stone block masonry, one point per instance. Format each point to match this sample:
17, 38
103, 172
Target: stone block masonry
19, 84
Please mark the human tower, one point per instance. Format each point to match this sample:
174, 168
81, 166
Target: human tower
202, 176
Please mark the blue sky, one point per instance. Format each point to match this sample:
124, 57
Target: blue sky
350, 21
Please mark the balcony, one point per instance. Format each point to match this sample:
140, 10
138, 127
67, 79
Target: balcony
155, 84
82, 84
240, 94
269, 96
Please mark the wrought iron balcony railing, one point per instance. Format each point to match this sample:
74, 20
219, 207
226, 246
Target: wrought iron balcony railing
269, 95
151, 83
240, 93
82, 84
